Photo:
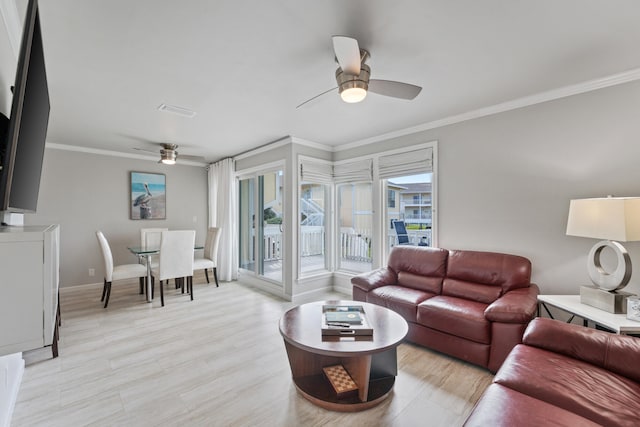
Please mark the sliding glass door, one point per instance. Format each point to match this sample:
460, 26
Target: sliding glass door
261, 224
247, 224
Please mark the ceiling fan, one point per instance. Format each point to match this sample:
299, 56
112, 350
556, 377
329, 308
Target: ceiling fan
352, 75
169, 154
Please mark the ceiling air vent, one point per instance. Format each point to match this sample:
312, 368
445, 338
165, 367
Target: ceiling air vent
179, 111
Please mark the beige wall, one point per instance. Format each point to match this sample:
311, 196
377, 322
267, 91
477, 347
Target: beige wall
505, 181
86, 192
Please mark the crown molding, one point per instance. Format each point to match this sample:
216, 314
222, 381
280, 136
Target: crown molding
263, 148
312, 144
563, 92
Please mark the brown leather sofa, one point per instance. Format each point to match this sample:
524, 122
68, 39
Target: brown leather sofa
564, 375
472, 305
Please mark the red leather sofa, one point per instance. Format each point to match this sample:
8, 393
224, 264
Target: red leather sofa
471, 305
564, 375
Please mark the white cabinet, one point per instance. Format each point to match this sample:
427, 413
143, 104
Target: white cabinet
29, 278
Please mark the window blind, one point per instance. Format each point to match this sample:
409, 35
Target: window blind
316, 172
357, 171
406, 163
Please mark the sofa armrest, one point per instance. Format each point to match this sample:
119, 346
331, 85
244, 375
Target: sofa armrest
609, 351
516, 306
374, 279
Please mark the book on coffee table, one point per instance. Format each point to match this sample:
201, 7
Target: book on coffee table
349, 317
345, 320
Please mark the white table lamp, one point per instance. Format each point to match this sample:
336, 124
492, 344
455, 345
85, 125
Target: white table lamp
613, 219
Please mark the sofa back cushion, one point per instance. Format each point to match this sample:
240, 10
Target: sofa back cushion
419, 267
484, 276
612, 352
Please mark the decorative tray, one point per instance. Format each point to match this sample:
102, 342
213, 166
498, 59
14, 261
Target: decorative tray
345, 320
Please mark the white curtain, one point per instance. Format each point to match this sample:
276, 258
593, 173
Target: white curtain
223, 213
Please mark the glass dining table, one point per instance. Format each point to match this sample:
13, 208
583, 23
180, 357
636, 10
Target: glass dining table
145, 252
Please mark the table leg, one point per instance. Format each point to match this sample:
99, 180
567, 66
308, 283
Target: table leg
547, 310
149, 299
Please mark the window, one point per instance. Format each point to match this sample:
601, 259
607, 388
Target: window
410, 174
355, 223
391, 198
316, 177
312, 244
417, 218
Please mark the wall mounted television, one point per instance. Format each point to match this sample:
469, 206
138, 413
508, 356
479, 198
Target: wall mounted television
22, 148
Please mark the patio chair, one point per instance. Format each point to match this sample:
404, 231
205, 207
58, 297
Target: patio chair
401, 232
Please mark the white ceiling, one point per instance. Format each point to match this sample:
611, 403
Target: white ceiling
243, 66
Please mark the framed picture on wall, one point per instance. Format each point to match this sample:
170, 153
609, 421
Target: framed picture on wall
148, 193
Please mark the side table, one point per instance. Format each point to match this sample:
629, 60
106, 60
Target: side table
617, 323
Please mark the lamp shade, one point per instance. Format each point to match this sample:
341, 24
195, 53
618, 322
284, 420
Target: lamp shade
610, 218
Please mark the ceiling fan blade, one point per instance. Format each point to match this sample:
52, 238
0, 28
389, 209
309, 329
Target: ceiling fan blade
145, 150
348, 54
189, 157
394, 89
315, 97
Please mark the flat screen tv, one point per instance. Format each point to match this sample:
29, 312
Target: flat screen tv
22, 150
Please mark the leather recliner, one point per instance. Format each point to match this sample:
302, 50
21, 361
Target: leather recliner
564, 375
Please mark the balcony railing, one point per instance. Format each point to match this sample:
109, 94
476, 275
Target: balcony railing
354, 245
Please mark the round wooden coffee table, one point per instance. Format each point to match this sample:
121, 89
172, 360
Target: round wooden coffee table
370, 360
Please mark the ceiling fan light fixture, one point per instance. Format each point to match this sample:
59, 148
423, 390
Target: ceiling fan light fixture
353, 94
168, 156
353, 88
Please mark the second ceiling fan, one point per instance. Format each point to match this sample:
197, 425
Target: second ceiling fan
353, 75
169, 154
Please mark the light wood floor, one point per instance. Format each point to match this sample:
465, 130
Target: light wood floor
216, 361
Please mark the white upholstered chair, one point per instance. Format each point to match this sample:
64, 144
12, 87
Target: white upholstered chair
176, 259
209, 260
150, 238
117, 272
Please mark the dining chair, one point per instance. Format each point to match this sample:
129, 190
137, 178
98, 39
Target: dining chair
176, 260
150, 238
210, 258
117, 272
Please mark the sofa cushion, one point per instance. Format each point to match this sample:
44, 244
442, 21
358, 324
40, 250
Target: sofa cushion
419, 267
416, 281
456, 316
471, 291
576, 386
468, 268
403, 301
609, 351
500, 406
